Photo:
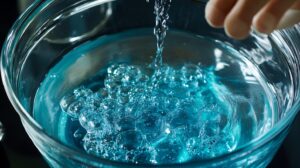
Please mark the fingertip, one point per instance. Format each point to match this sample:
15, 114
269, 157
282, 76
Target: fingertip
265, 23
215, 17
237, 29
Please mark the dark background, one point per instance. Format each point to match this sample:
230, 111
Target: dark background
17, 150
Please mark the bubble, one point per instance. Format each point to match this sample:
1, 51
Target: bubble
110, 85
126, 124
108, 104
132, 76
193, 146
180, 118
93, 101
129, 140
150, 125
91, 143
146, 154
74, 109
171, 104
66, 101
116, 72
168, 150
84, 119
191, 72
169, 116
82, 92
123, 94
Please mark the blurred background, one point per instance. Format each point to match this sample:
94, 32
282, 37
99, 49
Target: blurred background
17, 150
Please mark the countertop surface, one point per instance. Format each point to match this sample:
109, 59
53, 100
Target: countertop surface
17, 150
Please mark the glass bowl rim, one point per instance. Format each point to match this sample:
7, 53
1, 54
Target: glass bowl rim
8, 48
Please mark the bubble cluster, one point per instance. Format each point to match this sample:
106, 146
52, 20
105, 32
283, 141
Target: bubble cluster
166, 116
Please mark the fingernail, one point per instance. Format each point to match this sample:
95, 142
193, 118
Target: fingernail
269, 24
237, 29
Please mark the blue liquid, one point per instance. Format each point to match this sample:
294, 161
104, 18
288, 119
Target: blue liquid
125, 111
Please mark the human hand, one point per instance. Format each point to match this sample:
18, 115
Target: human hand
239, 16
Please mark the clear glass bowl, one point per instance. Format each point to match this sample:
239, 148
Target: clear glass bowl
1, 131
49, 29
